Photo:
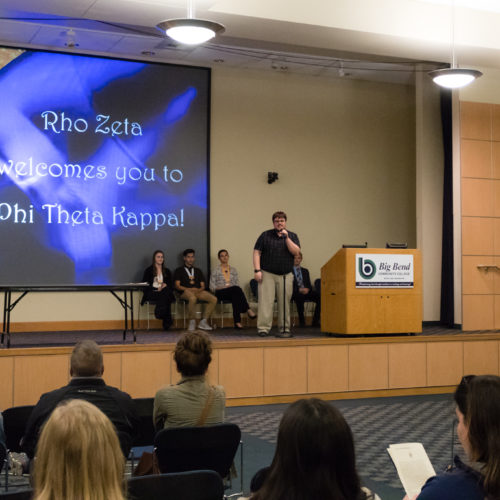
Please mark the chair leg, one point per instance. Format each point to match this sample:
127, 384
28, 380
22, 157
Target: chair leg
222, 304
184, 315
175, 313
239, 493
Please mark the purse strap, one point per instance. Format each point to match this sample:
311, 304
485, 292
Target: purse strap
206, 408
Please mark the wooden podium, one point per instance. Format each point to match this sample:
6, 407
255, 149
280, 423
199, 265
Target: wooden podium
354, 310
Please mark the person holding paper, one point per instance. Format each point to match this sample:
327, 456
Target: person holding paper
478, 414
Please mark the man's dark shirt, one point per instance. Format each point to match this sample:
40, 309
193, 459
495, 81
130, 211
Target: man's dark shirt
181, 275
115, 404
275, 257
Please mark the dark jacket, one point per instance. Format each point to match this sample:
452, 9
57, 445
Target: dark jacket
115, 404
459, 483
305, 278
148, 277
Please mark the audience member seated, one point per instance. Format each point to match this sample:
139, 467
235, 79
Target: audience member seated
225, 284
477, 401
304, 292
192, 401
78, 456
189, 281
86, 383
160, 289
314, 457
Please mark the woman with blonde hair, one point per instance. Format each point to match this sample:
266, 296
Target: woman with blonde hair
78, 456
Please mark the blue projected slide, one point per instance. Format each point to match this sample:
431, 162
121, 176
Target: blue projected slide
102, 161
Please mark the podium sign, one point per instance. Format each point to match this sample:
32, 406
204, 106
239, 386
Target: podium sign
384, 270
375, 291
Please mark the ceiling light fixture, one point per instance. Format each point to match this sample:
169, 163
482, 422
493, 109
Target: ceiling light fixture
454, 77
190, 31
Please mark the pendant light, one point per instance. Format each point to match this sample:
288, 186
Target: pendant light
454, 77
190, 31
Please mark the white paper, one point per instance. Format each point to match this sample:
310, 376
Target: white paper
412, 464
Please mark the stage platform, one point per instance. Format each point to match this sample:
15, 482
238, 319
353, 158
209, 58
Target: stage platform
257, 370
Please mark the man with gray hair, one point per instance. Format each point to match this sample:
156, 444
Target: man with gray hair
86, 383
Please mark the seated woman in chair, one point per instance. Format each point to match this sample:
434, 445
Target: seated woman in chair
224, 283
477, 401
192, 401
78, 455
314, 457
160, 288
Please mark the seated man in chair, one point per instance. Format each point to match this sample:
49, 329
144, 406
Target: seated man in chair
304, 292
86, 383
189, 281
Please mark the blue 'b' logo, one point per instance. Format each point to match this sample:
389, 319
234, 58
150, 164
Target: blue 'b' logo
367, 268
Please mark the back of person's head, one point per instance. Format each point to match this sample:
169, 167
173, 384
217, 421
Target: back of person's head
193, 353
314, 456
478, 399
86, 360
78, 455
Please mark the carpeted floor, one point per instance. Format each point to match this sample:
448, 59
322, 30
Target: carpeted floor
375, 423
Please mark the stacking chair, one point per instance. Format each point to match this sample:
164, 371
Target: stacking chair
150, 310
199, 448
184, 303
146, 434
192, 485
4, 464
17, 495
223, 304
3, 456
14, 421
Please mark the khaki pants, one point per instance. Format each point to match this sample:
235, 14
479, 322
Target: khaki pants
271, 287
192, 296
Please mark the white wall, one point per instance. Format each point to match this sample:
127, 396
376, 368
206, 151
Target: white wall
344, 151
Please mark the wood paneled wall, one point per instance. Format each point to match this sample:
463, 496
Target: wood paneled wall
254, 373
480, 184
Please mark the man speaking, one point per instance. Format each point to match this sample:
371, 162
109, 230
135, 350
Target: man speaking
273, 257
